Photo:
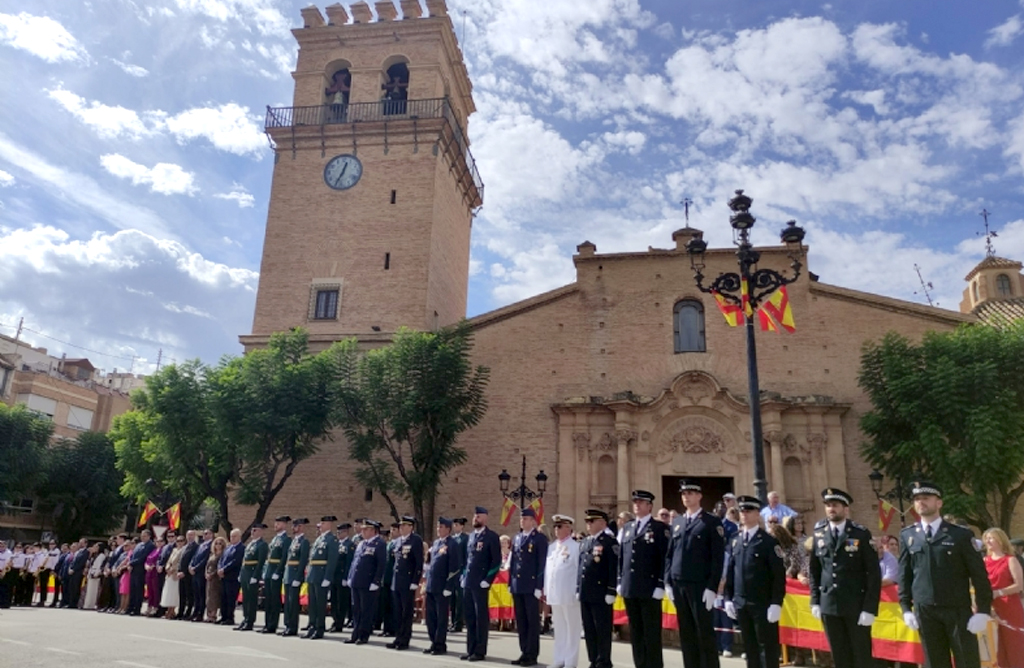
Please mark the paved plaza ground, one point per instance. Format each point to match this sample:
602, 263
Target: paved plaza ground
31, 637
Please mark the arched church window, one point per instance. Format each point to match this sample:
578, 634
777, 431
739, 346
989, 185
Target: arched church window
976, 298
395, 89
1003, 286
793, 477
688, 317
606, 475
337, 95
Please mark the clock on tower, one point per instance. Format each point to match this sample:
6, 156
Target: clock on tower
374, 186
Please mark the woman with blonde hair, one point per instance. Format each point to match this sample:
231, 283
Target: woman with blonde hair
1007, 579
213, 579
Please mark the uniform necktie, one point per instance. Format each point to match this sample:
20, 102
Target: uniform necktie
835, 535
928, 532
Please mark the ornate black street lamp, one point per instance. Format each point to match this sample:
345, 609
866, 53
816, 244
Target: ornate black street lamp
749, 287
522, 494
897, 493
163, 497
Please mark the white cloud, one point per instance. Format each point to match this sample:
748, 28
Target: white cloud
229, 127
164, 178
1005, 33
1015, 142
41, 36
240, 195
134, 70
263, 14
6, 180
108, 122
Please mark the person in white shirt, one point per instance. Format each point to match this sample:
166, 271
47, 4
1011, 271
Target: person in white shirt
5, 576
560, 574
35, 568
46, 571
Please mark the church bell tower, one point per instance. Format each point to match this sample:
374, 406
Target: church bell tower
374, 186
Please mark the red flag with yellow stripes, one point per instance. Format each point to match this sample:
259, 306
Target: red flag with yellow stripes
148, 511
507, 509
174, 515
779, 309
538, 508
731, 311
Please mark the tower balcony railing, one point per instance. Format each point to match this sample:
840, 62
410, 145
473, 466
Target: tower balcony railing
383, 111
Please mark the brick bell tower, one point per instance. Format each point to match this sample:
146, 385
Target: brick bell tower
374, 186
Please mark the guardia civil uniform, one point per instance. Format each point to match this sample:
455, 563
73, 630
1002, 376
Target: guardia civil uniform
253, 562
273, 577
294, 570
526, 582
755, 585
323, 558
482, 563
642, 583
364, 579
598, 576
341, 595
405, 582
845, 585
442, 574
938, 567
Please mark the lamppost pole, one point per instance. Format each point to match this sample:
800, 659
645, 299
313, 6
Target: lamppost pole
522, 494
746, 290
898, 491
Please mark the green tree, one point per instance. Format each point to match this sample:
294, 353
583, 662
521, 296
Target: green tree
82, 490
402, 408
24, 438
951, 409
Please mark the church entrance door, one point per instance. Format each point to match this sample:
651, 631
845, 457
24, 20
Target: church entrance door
713, 489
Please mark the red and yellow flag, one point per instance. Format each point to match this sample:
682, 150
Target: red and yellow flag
748, 310
779, 309
538, 508
148, 511
885, 514
732, 312
174, 515
766, 323
507, 510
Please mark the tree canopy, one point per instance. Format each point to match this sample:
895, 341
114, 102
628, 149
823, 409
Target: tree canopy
24, 437
951, 409
82, 490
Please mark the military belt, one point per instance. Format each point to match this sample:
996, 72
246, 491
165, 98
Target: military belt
275, 561
318, 562
293, 563
250, 563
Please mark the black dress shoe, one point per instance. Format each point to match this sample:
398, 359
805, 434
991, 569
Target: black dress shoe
350, 641
266, 630
476, 657
464, 657
429, 650
529, 662
391, 645
286, 634
316, 636
517, 662
438, 652
308, 634
334, 628
401, 648
245, 627
361, 641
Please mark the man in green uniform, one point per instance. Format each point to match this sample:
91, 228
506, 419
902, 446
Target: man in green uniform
249, 578
341, 595
273, 573
323, 559
295, 566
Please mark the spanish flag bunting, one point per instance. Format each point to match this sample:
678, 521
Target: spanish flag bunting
748, 310
538, 507
766, 323
779, 309
148, 511
885, 514
732, 312
174, 515
507, 509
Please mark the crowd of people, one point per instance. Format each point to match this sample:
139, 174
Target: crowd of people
721, 569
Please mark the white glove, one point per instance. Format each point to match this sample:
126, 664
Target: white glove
485, 584
325, 583
253, 581
671, 594
275, 576
978, 623
609, 599
865, 619
446, 593
658, 594
413, 587
709, 599
774, 613
816, 611
538, 593
730, 609
374, 587
911, 621
344, 583
296, 583
618, 590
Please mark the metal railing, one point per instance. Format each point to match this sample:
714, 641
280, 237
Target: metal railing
383, 111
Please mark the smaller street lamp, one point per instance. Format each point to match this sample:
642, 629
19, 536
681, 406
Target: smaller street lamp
897, 493
522, 494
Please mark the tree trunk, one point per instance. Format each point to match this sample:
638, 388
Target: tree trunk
222, 504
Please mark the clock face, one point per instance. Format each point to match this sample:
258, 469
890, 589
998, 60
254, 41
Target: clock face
343, 172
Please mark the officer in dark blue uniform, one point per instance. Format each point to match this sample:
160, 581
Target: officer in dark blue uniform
595, 586
755, 585
845, 605
938, 567
406, 581
693, 569
482, 564
458, 605
443, 572
364, 579
526, 582
385, 610
273, 574
642, 579
341, 595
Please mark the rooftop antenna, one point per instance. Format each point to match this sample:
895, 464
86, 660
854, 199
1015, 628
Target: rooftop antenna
159, 358
990, 251
925, 287
686, 209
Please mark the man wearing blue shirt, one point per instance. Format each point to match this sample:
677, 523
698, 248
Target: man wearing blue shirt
776, 511
197, 569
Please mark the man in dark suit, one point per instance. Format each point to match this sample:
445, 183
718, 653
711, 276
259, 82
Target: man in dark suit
364, 580
845, 605
526, 582
482, 564
405, 581
598, 575
186, 593
76, 569
642, 579
693, 569
228, 568
458, 605
273, 574
108, 567
197, 569
755, 585
60, 571
385, 608
938, 567
137, 578
443, 572
341, 595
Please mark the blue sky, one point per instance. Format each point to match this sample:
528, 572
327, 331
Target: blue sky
134, 175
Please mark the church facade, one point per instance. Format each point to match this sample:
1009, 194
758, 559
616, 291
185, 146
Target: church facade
626, 378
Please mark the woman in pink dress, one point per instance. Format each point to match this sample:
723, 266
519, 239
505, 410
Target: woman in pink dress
1007, 579
123, 571
153, 579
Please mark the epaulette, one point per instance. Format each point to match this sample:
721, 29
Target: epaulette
821, 524
857, 526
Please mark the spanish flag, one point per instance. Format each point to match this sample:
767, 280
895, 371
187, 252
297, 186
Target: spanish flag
507, 509
779, 309
147, 512
885, 514
748, 310
538, 507
766, 323
174, 515
732, 312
